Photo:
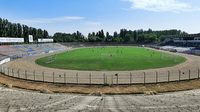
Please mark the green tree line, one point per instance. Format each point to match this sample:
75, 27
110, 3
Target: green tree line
8, 29
67, 37
125, 36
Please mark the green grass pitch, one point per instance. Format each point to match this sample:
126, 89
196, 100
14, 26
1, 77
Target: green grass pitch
111, 59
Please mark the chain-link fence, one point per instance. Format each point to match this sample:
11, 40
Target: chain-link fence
100, 78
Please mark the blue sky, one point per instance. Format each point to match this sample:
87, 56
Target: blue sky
110, 15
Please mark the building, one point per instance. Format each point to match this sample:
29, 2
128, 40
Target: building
186, 40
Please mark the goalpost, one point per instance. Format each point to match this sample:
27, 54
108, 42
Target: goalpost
51, 59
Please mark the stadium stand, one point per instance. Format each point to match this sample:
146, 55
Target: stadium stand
187, 43
20, 51
195, 51
187, 40
177, 49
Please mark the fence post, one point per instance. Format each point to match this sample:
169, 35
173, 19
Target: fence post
65, 78
26, 74
43, 76
168, 76
18, 73
4, 70
189, 74
144, 78
1, 69
107, 79
111, 79
198, 72
156, 77
90, 76
34, 75
8, 71
12, 72
117, 78
104, 78
179, 77
77, 77
130, 78
53, 77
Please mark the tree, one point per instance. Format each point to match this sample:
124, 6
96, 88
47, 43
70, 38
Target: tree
135, 36
115, 35
127, 37
101, 36
19, 30
8, 29
109, 38
150, 38
40, 33
107, 35
25, 32
45, 34
1, 27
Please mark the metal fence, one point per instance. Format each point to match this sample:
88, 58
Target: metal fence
101, 78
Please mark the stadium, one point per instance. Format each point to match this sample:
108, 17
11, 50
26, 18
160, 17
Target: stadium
50, 69
39, 67
93, 56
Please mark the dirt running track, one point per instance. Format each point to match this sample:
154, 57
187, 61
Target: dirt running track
192, 64
14, 100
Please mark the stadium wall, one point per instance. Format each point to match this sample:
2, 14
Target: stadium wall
45, 40
11, 40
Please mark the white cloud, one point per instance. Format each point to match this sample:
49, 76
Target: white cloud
162, 5
51, 20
